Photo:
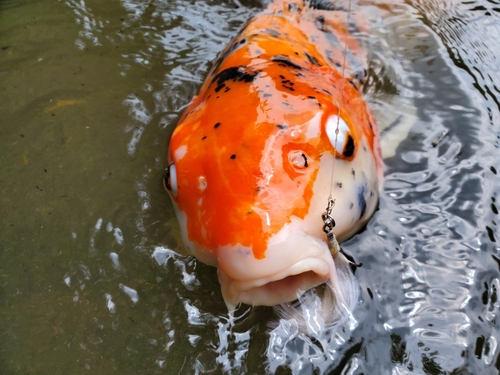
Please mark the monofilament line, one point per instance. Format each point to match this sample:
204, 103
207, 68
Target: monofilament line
341, 97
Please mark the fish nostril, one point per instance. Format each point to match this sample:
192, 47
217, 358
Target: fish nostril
298, 159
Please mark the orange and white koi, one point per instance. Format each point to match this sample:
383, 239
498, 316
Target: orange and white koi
250, 161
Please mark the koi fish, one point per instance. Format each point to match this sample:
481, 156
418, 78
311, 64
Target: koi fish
250, 161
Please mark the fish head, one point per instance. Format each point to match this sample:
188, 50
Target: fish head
250, 173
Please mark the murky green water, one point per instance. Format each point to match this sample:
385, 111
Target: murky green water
92, 276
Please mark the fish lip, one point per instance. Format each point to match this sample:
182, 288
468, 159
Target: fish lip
283, 286
320, 268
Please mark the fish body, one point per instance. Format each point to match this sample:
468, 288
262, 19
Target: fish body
278, 126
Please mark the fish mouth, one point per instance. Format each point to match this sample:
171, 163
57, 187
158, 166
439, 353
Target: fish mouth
295, 261
286, 285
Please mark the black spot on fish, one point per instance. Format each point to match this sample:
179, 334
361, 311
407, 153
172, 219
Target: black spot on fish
362, 201
349, 147
267, 95
339, 184
203, 138
272, 32
282, 77
328, 92
353, 173
279, 126
492, 168
220, 87
286, 104
243, 41
233, 74
351, 206
283, 60
233, 156
321, 4
216, 125
287, 84
352, 84
320, 23
312, 60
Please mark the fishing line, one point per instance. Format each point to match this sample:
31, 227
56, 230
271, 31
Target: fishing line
341, 94
329, 222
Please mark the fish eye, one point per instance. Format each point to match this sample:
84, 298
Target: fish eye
298, 159
340, 136
170, 179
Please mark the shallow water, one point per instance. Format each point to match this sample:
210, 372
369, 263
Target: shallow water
92, 275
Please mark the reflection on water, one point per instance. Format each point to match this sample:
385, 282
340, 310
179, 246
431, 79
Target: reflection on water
93, 277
